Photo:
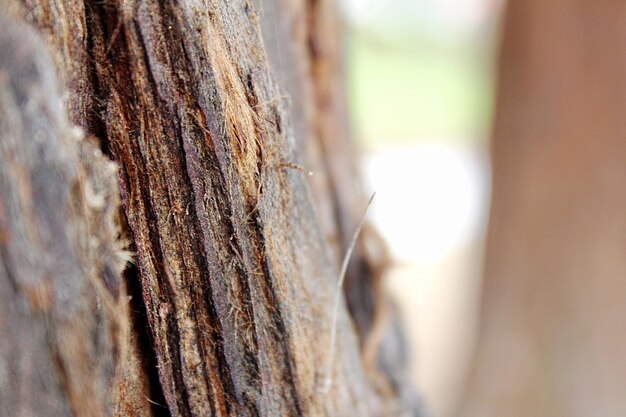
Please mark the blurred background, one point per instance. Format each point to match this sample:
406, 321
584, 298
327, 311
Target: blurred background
421, 82
539, 329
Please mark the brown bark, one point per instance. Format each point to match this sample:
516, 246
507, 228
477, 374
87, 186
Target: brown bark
61, 298
310, 70
236, 263
554, 310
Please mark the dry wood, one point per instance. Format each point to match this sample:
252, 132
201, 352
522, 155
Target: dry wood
235, 271
62, 303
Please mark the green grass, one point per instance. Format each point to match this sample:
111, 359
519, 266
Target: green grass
407, 91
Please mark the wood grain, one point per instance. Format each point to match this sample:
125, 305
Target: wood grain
235, 270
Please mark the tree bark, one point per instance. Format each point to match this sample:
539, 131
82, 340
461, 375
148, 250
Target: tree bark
236, 247
554, 308
61, 297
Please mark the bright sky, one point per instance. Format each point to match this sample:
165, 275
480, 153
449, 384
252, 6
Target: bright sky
431, 199
444, 18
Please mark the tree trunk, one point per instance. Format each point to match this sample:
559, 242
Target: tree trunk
60, 305
236, 248
554, 311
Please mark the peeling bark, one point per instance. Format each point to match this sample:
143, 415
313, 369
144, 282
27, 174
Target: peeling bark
61, 299
237, 248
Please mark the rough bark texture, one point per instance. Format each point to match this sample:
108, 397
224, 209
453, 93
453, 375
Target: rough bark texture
554, 314
237, 248
61, 297
309, 67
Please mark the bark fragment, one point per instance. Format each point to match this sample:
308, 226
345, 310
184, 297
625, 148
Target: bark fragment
61, 299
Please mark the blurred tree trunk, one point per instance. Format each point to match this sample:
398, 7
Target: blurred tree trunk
554, 310
236, 248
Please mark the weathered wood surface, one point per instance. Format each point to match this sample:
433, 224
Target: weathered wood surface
554, 315
309, 68
62, 303
237, 248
